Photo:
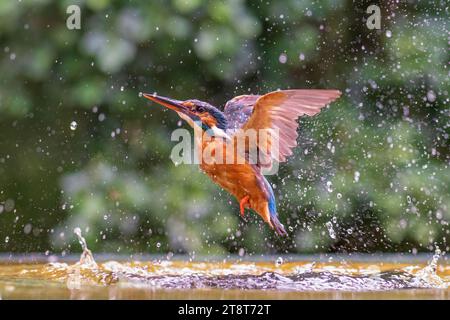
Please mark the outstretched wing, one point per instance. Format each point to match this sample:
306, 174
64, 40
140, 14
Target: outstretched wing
278, 112
238, 110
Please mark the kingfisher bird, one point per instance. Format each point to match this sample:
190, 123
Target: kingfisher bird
276, 112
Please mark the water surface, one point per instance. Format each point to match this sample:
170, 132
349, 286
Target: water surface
268, 278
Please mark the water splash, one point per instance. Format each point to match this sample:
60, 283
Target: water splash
84, 272
280, 276
86, 258
428, 274
290, 276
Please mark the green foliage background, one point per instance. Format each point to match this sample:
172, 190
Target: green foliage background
375, 165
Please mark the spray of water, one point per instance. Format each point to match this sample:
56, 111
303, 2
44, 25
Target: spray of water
86, 258
428, 274
285, 276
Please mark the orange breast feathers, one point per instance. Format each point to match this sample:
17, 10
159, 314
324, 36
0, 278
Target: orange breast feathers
221, 161
219, 151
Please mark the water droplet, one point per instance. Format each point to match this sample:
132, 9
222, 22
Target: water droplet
279, 262
27, 228
431, 96
329, 184
331, 232
73, 125
282, 58
158, 245
9, 205
339, 196
121, 88
356, 176
388, 33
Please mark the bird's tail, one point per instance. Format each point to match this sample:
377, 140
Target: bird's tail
278, 226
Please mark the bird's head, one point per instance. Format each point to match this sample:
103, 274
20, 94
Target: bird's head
196, 113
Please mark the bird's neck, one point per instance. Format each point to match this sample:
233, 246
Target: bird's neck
218, 132
221, 120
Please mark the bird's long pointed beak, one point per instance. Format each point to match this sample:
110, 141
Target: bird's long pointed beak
172, 104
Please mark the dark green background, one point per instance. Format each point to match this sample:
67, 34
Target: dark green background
375, 164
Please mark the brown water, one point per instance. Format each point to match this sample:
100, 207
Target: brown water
233, 279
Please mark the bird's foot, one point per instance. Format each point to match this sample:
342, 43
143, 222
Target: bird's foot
244, 203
